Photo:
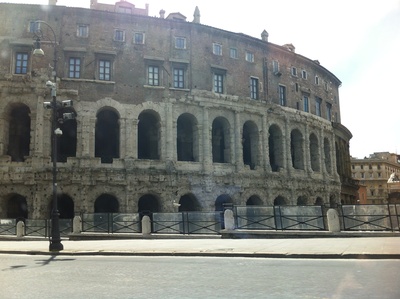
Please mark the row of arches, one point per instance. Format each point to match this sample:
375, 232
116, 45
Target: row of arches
188, 143
15, 206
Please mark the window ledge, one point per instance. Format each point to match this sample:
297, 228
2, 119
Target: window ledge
89, 81
153, 87
179, 89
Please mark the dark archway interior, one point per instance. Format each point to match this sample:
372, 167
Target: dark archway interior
188, 203
19, 134
106, 204
148, 136
17, 207
107, 136
67, 141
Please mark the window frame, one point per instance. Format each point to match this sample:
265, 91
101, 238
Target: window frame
104, 73
235, 53
24, 64
249, 56
282, 91
294, 71
329, 111
217, 49
318, 106
180, 42
254, 88
275, 66
80, 33
139, 41
306, 103
32, 24
158, 79
74, 71
304, 74
180, 83
123, 35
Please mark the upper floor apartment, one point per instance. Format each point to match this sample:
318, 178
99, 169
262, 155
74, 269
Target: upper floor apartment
136, 58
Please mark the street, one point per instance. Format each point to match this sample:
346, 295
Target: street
40, 276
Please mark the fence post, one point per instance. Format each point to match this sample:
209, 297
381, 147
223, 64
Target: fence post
229, 220
333, 220
77, 225
20, 229
146, 225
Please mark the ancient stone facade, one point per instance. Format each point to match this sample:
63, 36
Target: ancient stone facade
169, 115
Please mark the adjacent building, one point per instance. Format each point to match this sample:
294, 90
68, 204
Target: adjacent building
169, 115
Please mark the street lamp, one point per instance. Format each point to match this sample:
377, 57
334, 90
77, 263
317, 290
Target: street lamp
55, 238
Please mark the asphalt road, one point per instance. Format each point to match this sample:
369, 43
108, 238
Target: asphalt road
36, 276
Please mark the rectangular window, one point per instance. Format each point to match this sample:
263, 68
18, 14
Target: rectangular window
180, 42
33, 27
153, 75
105, 70
275, 66
304, 74
282, 95
21, 63
233, 53
179, 78
254, 88
217, 49
249, 57
306, 106
329, 112
316, 80
119, 35
294, 71
318, 103
138, 38
218, 83
74, 67
82, 31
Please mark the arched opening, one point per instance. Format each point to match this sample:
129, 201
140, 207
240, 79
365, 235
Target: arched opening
319, 201
148, 204
107, 136
302, 200
279, 201
275, 144
187, 143
67, 141
327, 155
221, 141
17, 207
296, 149
149, 136
65, 206
188, 202
250, 144
106, 203
314, 153
221, 203
254, 200
19, 133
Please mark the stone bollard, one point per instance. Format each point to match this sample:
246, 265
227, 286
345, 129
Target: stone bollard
20, 229
333, 220
146, 226
77, 225
229, 220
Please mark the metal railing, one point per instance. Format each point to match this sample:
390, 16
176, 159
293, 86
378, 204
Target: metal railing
8, 226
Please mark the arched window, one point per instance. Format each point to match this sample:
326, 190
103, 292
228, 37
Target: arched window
221, 140
275, 144
187, 141
250, 144
149, 136
107, 136
19, 132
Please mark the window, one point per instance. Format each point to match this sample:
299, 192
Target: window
179, 78
180, 42
119, 35
306, 106
233, 53
282, 95
138, 38
153, 75
218, 83
254, 88
105, 70
34, 26
74, 67
316, 80
318, 103
82, 31
249, 57
329, 111
21, 63
294, 71
362, 166
275, 66
217, 49
304, 74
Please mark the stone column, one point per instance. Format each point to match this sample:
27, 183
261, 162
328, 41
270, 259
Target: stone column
130, 138
122, 139
38, 128
207, 155
238, 152
286, 150
170, 153
264, 152
307, 151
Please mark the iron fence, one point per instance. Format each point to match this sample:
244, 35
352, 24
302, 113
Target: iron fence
8, 226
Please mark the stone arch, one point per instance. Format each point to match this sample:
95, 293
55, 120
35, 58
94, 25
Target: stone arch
280, 201
250, 140
327, 156
319, 201
302, 200
221, 147
107, 135
189, 202
187, 138
16, 207
314, 153
296, 149
149, 143
149, 203
254, 200
65, 206
275, 144
67, 141
19, 132
222, 201
106, 203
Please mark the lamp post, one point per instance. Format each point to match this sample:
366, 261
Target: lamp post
55, 238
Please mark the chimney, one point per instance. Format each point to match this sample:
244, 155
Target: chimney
196, 16
264, 36
52, 2
162, 14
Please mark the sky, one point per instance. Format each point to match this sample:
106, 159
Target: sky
357, 40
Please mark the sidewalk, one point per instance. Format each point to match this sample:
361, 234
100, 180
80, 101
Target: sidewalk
332, 248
